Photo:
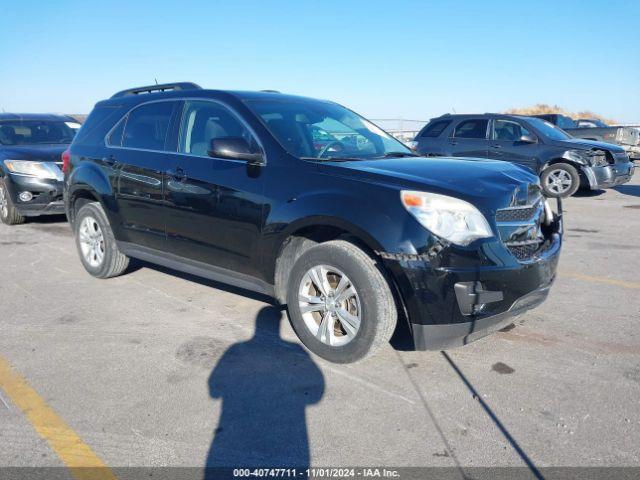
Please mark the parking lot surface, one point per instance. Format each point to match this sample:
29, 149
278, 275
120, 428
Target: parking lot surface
160, 368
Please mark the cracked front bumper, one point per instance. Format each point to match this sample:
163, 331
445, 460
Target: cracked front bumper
608, 176
461, 301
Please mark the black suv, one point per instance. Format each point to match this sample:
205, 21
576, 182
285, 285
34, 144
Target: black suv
350, 233
564, 163
30, 159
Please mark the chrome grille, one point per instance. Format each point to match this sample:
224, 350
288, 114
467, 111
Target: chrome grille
520, 229
516, 214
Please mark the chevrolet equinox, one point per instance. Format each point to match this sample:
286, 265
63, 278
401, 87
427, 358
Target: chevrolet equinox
308, 202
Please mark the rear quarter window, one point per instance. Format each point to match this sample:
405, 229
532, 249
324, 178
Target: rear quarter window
97, 124
435, 129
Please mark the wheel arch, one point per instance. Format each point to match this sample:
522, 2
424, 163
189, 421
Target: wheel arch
87, 182
306, 233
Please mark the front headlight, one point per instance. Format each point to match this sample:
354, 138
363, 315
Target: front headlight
593, 158
42, 170
447, 217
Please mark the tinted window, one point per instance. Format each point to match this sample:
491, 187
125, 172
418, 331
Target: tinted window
204, 121
115, 139
147, 126
434, 129
508, 131
476, 128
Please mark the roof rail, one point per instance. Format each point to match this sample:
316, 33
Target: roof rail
158, 88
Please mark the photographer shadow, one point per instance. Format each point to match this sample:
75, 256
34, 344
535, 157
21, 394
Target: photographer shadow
265, 385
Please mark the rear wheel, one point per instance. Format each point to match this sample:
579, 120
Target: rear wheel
8, 212
96, 245
339, 302
560, 180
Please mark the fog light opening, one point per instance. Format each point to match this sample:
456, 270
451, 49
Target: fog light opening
25, 196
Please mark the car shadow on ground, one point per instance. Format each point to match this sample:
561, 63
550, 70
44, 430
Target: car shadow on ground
265, 385
584, 192
46, 219
631, 190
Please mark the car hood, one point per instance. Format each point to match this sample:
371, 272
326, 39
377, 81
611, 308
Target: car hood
42, 153
487, 184
582, 144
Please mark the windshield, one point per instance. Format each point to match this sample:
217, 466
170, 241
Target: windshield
548, 129
313, 129
37, 132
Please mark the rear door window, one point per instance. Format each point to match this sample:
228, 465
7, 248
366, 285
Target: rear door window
475, 128
434, 129
147, 126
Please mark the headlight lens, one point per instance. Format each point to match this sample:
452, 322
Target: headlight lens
593, 158
450, 218
42, 170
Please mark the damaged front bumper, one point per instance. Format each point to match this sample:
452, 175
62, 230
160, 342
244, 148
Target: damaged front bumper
609, 175
484, 290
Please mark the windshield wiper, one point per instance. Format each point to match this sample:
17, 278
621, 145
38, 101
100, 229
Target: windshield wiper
399, 154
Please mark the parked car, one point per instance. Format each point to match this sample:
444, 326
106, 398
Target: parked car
563, 163
229, 186
30, 175
627, 137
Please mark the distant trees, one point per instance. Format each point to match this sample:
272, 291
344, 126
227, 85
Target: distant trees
540, 108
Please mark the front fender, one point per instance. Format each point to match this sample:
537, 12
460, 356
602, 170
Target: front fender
374, 224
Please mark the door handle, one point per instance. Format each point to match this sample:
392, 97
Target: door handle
496, 146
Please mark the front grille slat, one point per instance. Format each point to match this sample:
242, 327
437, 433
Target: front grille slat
518, 214
520, 229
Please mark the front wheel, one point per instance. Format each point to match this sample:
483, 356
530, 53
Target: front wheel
339, 302
560, 180
8, 212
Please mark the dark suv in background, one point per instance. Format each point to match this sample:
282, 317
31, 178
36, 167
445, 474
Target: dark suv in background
347, 227
30, 159
563, 163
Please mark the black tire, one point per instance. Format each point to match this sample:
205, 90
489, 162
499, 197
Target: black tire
378, 315
9, 215
563, 169
113, 262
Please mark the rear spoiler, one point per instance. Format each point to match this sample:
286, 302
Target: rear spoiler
158, 88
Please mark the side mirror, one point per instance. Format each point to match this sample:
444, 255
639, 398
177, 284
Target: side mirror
234, 148
528, 139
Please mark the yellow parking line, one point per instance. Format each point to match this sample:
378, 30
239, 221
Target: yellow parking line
84, 464
608, 281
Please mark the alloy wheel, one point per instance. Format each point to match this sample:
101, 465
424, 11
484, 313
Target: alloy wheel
91, 242
559, 181
330, 305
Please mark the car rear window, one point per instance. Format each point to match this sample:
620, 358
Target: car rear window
434, 129
476, 128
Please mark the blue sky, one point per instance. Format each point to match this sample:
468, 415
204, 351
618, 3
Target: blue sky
411, 59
